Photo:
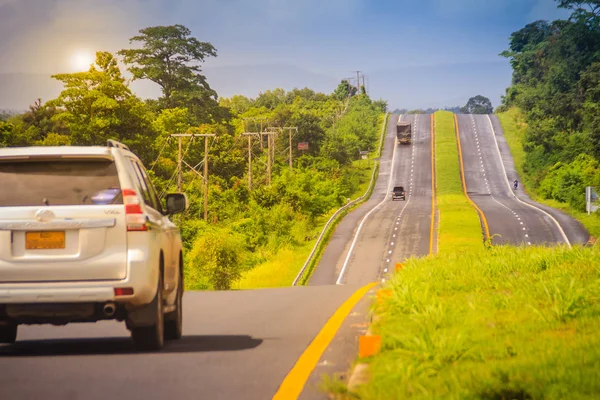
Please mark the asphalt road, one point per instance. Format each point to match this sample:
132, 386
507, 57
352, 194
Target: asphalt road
236, 345
489, 173
393, 230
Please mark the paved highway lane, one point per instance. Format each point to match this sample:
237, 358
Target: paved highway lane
575, 231
490, 187
406, 224
236, 345
392, 230
412, 227
332, 259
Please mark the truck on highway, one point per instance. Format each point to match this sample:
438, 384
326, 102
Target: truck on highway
403, 132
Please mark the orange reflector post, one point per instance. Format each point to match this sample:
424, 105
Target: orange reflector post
383, 294
399, 266
124, 291
368, 345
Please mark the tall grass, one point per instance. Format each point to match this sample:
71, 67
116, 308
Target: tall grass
459, 228
500, 323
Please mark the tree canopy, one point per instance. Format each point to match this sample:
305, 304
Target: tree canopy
478, 105
170, 57
556, 84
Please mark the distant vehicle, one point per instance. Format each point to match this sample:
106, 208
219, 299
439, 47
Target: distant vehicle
403, 132
83, 238
398, 193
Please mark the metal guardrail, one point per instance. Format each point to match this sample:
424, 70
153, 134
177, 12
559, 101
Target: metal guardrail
335, 216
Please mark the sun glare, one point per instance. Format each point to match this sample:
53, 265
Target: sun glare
81, 60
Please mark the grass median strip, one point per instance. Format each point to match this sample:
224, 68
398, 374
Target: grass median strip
459, 227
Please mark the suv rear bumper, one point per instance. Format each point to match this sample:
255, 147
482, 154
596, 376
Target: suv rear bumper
142, 277
30, 294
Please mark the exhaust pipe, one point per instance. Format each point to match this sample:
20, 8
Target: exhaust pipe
109, 309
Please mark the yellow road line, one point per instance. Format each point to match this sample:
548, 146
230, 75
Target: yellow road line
433, 180
464, 181
294, 382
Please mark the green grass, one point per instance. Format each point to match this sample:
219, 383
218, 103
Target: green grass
280, 271
500, 323
513, 125
459, 228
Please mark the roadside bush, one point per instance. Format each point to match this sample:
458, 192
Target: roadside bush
566, 182
215, 259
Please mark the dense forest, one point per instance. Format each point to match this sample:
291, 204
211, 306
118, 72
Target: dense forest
556, 84
247, 222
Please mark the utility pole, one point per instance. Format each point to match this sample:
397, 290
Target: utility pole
290, 129
270, 149
358, 82
179, 173
250, 134
256, 121
205, 177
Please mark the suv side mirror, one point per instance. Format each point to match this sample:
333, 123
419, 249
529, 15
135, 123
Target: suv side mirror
176, 203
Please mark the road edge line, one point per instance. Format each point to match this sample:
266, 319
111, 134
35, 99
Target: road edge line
464, 182
560, 229
336, 218
355, 239
294, 382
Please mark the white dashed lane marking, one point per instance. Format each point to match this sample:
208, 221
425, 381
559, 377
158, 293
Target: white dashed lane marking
483, 171
410, 189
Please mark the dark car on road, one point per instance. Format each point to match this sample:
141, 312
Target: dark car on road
398, 193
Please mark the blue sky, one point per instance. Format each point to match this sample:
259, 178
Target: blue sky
415, 53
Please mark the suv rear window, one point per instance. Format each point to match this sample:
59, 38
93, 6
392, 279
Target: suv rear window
398, 189
59, 183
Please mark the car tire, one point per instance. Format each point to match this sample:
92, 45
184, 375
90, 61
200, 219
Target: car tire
151, 338
174, 319
8, 333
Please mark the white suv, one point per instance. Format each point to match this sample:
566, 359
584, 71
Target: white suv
83, 238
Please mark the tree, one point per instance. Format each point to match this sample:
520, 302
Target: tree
6, 130
587, 11
97, 105
381, 105
270, 99
238, 104
171, 58
478, 105
32, 127
344, 90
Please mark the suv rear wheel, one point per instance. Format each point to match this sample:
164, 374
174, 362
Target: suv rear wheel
174, 319
151, 338
8, 333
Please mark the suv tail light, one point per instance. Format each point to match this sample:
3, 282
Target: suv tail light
134, 217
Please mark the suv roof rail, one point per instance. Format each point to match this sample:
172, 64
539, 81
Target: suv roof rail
119, 145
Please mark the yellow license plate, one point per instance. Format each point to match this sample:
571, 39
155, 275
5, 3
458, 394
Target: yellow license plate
44, 240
